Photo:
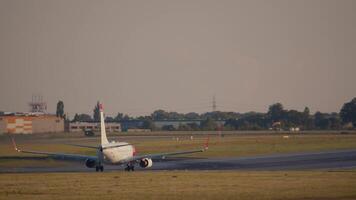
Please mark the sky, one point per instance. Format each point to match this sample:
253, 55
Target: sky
138, 56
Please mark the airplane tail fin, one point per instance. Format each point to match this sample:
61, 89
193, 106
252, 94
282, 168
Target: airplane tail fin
104, 139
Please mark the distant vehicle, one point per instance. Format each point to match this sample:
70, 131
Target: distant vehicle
89, 132
117, 153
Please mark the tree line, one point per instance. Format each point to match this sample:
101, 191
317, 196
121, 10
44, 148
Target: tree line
275, 117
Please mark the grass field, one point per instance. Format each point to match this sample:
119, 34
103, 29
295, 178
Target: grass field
241, 185
233, 146
228, 146
181, 185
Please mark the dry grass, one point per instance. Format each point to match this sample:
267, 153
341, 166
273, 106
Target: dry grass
232, 146
180, 185
228, 146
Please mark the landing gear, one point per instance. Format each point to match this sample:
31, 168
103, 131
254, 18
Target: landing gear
130, 167
99, 168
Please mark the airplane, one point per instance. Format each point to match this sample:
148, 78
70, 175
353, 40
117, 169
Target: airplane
116, 153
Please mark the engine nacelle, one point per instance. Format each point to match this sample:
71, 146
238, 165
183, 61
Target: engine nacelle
90, 163
146, 163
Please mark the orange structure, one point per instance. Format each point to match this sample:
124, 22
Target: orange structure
31, 124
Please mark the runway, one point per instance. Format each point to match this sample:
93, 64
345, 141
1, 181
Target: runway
321, 160
345, 159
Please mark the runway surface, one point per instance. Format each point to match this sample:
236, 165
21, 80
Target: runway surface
302, 161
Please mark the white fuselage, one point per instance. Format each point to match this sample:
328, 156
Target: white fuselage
118, 155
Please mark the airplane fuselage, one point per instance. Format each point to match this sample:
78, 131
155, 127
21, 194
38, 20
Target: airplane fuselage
118, 155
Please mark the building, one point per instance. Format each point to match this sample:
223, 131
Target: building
175, 123
30, 123
131, 124
94, 126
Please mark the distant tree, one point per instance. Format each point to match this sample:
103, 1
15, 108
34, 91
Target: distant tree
109, 119
192, 116
307, 123
232, 123
96, 112
248, 121
208, 124
245, 124
175, 116
168, 128
148, 124
143, 118
321, 121
306, 111
218, 115
184, 127
327, 121
160, 115
60, 109
82, 118
126, 117
276, 112
335, 121
119, 117
238, 121
189, 127
163, 115
294, 118
348, 112
257, 121
228, 128
194, 126
76, 118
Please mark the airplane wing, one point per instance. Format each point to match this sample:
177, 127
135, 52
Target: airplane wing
86, 146
164, 155
60, 156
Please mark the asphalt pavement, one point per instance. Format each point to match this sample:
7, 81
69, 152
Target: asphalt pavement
345, 159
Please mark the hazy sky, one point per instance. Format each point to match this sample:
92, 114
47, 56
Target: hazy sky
138, 56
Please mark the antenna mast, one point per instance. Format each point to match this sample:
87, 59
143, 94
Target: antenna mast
37, 104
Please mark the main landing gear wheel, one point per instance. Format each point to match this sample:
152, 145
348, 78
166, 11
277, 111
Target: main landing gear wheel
99, 168
130, 168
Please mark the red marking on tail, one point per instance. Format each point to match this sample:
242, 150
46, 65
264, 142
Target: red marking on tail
101, 107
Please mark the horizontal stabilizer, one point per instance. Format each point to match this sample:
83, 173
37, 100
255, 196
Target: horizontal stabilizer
118, 145
86, 146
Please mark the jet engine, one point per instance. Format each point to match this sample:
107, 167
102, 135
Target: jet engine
146, 163
90, 163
